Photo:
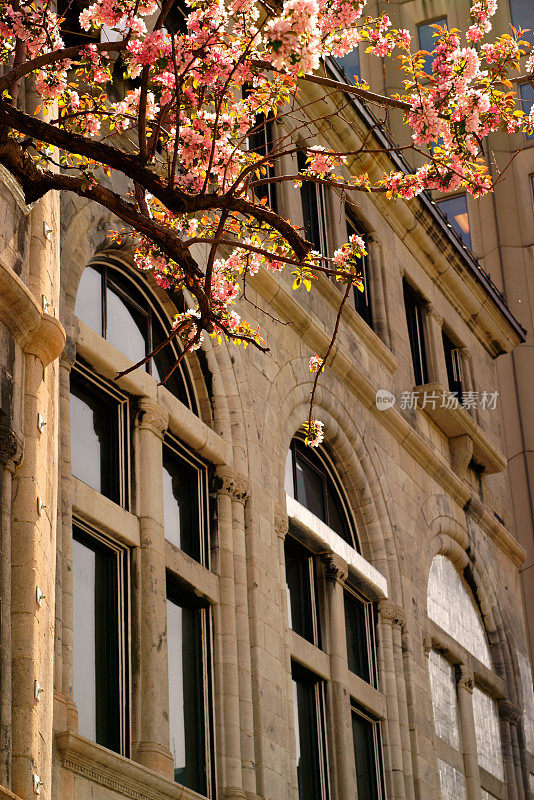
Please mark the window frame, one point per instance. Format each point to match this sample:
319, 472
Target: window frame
124, 677
452, 222
355, 709
370, 632
313, 196
264, 131
303, 554
453, 364
418, 353
301, 674
85, 376
366, 313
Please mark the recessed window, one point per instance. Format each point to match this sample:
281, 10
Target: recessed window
367, 749
184, 501
98, 424
308, 710
360, 628
522, 12
362, 300
455, 209
114, 306
527, 97
301, 590
350, 64
189, 691
313, 209
100, 685
416, 332
428, 42
261, 141
454, 366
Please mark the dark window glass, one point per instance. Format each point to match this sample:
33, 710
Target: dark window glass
181, 504
71, 32
314, 487
523, 17
260, 140
527, 97
300, 589
350, 64
94, 436
427, 40
307, 710
175, 19
313, 209
362, 300
187, 693
414, 319
360, 639
455, 209
96, 640
364, 736
453, 364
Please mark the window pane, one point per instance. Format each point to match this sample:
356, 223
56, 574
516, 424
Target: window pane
452, 362
310, 488
260, 141
186, 696
299, 592
94, 441
455, 208
357, 640
488, 733
181, 510
365, 757
452, 782
362, 300
527, 96
336, 515
350, 64
89, 299
414, 320
523, 17
312, 209
307, 740
444, 700
427, 41
127, 329
96, 641
163, 362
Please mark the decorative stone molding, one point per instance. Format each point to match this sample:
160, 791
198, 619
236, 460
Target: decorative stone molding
431, 312
389, 612
509, 712
465, 677
47, 340
281, 524
335, 567
67, 358
236, 486
461, 448
427, 644
11, 447
234, 793
151, 416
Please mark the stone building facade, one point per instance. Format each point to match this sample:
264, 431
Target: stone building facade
192, 603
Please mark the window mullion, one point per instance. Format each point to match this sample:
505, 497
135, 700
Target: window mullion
465, 684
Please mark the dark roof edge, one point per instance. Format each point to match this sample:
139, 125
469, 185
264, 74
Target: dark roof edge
472, 264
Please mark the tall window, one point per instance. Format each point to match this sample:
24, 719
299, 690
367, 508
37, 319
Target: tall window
99, 445
189, 690
360, 629
100, 674
308, 709
350, 64
455, 209
367, 756
260, 141
313, 209
454, 366
416, 332
116, 307
527, 98
311, 480
427, 41
362, 300
184, 501
522, 12
301, 589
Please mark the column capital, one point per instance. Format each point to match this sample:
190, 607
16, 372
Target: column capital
281, 523
151, 416
465, 354
230, 483
509, 712
335, 567
389, 612
67, 359
465, 677
427, 644
432, 312
11, 448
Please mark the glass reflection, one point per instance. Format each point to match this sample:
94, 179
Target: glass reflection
357, 643
428, 42
83, 650
181, 504
307, 740
523, 17
89, 299
350, 64
310, 488
456, 210
365, 757
127, 328
298, 592
93, 441
527, 97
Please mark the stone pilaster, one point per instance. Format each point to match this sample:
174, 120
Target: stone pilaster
510, 716
465, 683
388, 617
436, 357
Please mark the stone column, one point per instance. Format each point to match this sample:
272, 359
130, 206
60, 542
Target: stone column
150, 744
226, 660
465, 683
339, 721
378, 302
398, 629
10, 456
510, 716
388, 683
437, 369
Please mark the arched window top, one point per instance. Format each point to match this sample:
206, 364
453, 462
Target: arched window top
311, 479
452, 606
122, 310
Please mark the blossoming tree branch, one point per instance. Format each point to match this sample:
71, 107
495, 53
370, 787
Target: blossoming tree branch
194, 94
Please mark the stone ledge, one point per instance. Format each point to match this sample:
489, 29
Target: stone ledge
5, 794
117, 773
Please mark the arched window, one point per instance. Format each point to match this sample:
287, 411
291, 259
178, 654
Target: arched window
121, 310
312, 481
462, 687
